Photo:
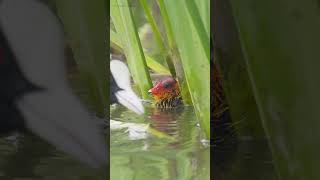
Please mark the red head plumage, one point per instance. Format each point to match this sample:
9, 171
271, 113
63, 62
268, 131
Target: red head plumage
166, 92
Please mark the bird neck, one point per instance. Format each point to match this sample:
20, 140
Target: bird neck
172, 101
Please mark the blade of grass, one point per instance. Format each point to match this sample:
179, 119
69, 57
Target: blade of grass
157, 67
194, 59
123, 21
115, 41
158, 37
204, 10
151, 63
280, 41
232, 68
200, 28
174, 53
85, 24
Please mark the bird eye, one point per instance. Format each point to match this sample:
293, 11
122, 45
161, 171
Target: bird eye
166, 85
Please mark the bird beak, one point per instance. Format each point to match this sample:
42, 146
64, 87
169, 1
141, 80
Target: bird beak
150, 91
59, 118
130, 100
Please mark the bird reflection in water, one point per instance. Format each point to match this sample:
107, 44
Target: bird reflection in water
168, 105
166, 120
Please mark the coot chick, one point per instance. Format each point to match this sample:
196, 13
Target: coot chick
166, 93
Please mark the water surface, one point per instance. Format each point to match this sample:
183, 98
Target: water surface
27, 157
170, 149
251, 160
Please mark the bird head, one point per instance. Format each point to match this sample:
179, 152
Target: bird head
166, 93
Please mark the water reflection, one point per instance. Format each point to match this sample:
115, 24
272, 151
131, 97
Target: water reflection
224, 146
182, 156
166, 120
239, 156
27, 156
252, 161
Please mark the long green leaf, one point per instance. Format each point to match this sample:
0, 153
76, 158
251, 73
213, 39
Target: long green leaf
232, 66
204, 10
280, 41
174, 54
151, 63
199, 27
123, 21
156, 33
85, 25
153, 24
195, 62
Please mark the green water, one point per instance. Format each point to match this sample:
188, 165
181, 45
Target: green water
174, 152
143, 156
251, 160
30, 158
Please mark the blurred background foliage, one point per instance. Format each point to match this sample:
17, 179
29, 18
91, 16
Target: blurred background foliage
267, 52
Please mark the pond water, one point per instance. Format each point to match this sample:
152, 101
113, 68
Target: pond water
159, 145
171, 150
155, 146
29, 158
141, 155
251, 160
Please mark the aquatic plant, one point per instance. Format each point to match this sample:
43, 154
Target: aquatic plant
85, 26
182, 35
274, 55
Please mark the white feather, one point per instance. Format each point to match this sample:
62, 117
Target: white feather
56, 115
36, 39
126, 97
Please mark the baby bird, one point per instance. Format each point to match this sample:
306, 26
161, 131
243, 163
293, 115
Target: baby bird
166, 93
